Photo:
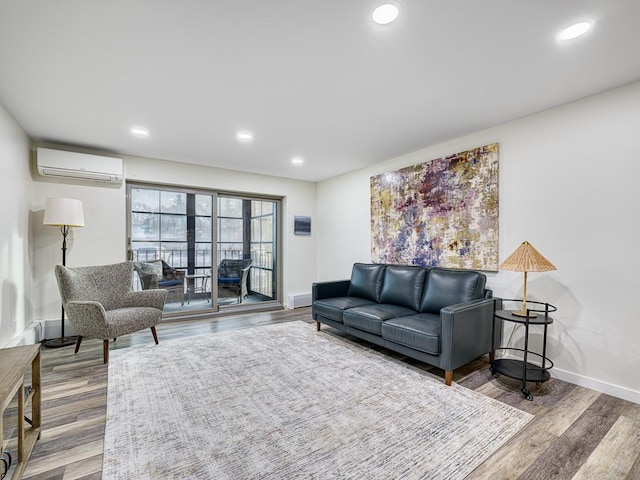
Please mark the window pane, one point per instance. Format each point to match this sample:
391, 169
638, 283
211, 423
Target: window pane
203, 255
230, 207
229, 250
173, 227
203, 229
266, 229
203, 205
255, 230
143, 200
144, 226
173, 202
261, 208
145, 251
174, 253
230, 230
261, 255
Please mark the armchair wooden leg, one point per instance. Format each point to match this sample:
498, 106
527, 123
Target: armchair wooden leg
448, 377
318, 326
155, 335
78, 342
105, 351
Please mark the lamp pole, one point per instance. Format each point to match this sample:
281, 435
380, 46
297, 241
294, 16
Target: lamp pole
62, 341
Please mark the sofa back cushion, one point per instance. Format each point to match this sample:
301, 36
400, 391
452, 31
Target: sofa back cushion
403, 285
447, 287
366, 281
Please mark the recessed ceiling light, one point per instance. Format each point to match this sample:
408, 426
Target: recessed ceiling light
139, 132
576, 30
297, 161
244, 136
385, 14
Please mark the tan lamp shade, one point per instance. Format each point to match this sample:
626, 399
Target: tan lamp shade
526, 259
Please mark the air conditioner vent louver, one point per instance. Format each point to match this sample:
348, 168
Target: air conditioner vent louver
79, 166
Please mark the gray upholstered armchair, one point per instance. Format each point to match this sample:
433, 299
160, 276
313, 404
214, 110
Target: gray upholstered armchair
100, 302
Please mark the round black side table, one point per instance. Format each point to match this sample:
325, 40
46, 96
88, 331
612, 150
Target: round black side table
524, 369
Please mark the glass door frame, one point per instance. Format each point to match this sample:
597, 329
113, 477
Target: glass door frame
278, 248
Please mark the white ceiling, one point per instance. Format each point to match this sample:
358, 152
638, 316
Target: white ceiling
310, 78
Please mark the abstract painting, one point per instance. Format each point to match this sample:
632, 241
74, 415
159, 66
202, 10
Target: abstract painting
441, 213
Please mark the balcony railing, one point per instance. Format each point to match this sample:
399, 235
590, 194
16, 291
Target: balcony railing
260, 275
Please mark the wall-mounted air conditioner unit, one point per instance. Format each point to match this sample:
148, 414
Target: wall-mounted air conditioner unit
78, 166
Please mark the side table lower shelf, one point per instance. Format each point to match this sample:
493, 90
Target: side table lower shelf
515, 369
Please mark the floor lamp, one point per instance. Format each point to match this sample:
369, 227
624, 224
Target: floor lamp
64, 213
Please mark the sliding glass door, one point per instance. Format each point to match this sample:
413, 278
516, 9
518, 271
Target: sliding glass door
170, 241
247, 229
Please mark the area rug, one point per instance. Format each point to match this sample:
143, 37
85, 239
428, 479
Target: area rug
286, 402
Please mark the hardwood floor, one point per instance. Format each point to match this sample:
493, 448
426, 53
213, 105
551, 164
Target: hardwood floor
577, 433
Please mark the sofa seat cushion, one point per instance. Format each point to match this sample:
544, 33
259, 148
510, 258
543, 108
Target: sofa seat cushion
420, 332
370, 317
170, 283
333, 308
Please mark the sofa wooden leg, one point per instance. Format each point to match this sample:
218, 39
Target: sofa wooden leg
448, 377
155, 335
78, 342
105, 351
318, 326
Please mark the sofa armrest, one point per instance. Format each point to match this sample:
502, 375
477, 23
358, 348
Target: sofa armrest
332, 289
467, 332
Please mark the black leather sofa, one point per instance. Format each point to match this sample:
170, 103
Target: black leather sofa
442, 317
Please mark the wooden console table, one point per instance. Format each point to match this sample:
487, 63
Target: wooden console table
14, 363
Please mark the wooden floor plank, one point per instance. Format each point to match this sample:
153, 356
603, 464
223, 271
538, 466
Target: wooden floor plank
567, 410
85, 468
565, 456
615, 455
65, 457
513, 458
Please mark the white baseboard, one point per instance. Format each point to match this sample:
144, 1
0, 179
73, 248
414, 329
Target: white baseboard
598, 385
50, 328
297, 300
29, 336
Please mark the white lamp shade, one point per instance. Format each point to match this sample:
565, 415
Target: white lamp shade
63, 211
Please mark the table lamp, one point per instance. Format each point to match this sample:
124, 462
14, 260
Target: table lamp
64, 213
526, 259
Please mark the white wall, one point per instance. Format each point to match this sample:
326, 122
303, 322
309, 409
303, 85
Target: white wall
100, 241
103, 239
569, 185
15, 258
